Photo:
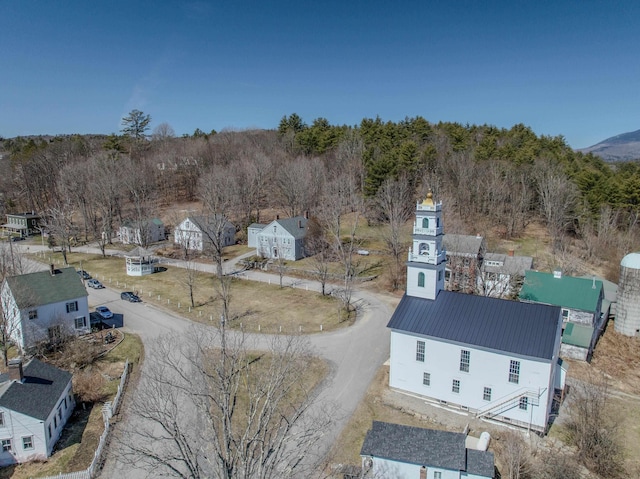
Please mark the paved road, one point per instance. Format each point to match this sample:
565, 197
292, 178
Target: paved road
354, 353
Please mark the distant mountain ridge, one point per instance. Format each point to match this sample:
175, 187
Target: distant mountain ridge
624, 147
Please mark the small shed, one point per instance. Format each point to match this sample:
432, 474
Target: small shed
140, 262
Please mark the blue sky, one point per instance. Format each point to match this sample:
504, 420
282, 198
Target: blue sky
568, 68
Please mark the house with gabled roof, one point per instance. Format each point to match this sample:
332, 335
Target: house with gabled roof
489, 357
282, 238
407, 452
36, 400
142, 234
196, 233
22, 224
580, 300
465, 254
501, 275
45, 306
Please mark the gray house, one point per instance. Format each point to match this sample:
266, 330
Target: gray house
406, 452
280, 239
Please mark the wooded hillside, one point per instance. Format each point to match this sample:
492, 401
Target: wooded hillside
494, 181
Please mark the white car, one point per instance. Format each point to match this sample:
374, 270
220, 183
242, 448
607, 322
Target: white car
104, 312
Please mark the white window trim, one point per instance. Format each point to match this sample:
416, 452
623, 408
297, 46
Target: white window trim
24, 447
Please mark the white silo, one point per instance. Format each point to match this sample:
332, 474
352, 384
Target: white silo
627, 319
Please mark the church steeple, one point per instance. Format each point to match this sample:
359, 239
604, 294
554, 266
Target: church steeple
427, 257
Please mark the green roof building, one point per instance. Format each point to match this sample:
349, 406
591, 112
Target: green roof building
581, 301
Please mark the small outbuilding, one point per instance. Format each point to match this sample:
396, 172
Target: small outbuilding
140, 262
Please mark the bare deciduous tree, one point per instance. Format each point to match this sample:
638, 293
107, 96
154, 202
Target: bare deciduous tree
319, 247
59, 223
394, 199
592, 429
212, 406
190, 276
558, 198
341, 198
514, 454
299, 183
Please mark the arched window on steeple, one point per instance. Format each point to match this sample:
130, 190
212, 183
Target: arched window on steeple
425, 222
421, 280
423, 249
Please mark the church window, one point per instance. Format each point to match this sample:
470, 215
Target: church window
421, 280
423, 249
425, 222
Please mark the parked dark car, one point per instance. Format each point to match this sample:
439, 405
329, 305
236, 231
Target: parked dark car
95, 284
17, 238
129, 296
83, 274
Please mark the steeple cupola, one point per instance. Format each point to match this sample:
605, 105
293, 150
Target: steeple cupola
427, 257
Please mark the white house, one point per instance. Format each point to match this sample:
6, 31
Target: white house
280, 239
196, 232
406, 452
490, 357
501, 275
35, 403
45, 306
151, 232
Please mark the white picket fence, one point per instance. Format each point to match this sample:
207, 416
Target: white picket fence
108, 410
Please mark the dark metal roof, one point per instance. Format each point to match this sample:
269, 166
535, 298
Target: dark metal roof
524, 329
40, 392
425, 447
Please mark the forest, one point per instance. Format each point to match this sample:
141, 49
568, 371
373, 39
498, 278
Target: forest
494, 181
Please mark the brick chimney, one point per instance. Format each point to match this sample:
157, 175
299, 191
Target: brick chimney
15, 370
299, 223
511, 252
52, 269
306, 214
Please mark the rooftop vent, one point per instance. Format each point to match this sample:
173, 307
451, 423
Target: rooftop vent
557, 274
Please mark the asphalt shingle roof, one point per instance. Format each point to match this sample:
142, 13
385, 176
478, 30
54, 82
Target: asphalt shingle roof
37, 289
464, 245
525, 329
567, 291
293, 226
40, 392
513, 265
426, 447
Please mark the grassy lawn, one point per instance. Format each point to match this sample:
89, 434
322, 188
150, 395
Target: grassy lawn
75, 449
257, 305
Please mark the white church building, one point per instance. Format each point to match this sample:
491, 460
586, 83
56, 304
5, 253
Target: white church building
493, 358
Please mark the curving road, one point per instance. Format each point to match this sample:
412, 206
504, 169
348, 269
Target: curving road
354, 353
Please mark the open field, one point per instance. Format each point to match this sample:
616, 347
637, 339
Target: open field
259, 306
